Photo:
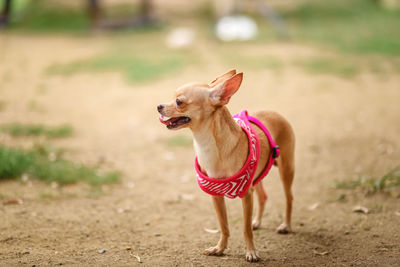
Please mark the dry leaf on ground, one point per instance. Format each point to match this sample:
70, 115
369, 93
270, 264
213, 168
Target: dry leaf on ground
212, 231
313, 206
360, 209
137, 257
13, 201
320, 253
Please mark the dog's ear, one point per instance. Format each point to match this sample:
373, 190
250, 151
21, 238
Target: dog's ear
222, 78
220, 94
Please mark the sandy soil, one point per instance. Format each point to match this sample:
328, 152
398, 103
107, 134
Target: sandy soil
344, 128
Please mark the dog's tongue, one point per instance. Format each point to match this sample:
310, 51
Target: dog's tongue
163, 121
168, 122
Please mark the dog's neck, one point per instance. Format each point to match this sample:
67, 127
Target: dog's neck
221, 145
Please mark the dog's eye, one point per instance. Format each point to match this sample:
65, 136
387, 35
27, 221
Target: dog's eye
178, 102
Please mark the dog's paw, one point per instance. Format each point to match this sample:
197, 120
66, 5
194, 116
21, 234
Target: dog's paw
284, 229
256, 224
214, 251
251, 256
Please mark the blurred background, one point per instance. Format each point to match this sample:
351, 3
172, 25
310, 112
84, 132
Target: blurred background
89, 175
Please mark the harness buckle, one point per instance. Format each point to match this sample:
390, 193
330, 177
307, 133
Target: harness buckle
275, 152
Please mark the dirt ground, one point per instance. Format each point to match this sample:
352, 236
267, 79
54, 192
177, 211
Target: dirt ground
344, 128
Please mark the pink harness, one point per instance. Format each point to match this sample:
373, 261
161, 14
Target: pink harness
238, 184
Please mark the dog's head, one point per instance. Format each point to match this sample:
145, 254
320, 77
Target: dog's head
195, 102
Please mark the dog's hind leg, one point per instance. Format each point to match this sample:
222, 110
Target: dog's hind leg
262, 199
286, 171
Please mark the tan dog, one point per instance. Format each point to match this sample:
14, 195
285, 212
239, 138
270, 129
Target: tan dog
222, 148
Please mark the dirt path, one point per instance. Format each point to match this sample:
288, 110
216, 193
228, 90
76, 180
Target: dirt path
344, 128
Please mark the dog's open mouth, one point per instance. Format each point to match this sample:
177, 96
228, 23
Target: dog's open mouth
174, 122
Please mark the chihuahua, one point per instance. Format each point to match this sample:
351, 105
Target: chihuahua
238, 147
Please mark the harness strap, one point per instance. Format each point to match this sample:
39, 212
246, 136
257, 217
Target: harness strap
274, 149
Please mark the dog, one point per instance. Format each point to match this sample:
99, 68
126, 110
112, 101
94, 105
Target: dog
224, 145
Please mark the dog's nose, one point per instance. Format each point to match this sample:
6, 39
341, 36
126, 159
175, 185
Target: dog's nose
160, 107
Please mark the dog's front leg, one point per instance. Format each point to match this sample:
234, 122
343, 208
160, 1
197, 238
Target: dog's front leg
247, 202
220, 209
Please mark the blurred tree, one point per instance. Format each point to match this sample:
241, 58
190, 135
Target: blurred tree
94, 12
145, 16
5, 13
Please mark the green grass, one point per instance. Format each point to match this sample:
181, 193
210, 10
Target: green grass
45, 16
320, 65
39, 164
13, 163
360, 26
17, 129
134, 68
371, 184
61, 17
66, 172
